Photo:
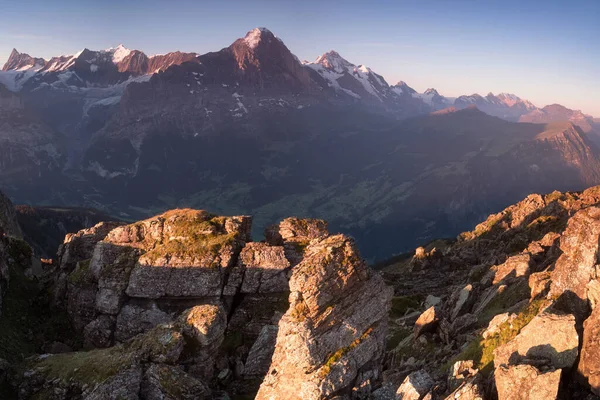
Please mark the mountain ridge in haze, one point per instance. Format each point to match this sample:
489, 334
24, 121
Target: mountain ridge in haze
251, 129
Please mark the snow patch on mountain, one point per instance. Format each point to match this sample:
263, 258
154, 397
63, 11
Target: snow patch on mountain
254, 37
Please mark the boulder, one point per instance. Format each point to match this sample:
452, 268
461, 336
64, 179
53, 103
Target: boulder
204, 324
461, 301
415, 387
294, 234
427, 322
333, 335
514, 267
549, 339
589, 362
526, 382
203, 327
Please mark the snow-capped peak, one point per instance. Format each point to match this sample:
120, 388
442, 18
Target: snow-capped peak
332, 66
332, 60
431, 91
119, 53
254, 37
510, 100
402, 88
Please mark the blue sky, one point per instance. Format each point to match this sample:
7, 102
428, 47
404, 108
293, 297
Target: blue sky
545, 51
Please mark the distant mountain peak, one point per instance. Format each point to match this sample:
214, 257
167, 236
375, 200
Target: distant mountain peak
119, 53
402, 87
334, 61
432, 91
254, 37
22, 61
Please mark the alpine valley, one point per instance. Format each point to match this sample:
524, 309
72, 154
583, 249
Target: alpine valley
251, 129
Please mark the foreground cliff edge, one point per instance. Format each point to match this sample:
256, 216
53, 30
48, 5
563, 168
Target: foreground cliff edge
185, 306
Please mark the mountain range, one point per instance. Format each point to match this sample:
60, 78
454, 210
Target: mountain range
252, 129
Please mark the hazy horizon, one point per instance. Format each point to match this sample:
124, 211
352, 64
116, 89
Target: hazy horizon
460, 48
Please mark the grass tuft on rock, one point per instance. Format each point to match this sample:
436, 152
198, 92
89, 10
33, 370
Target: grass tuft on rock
339, 354
192, 234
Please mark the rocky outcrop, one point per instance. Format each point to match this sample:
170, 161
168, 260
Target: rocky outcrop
187, 253
191, 303
523, 283
122, 270
182, 304
332, 338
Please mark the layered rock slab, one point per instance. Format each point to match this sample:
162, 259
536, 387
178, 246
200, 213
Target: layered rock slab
525, 382
550, 338
332, 338
189, 253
